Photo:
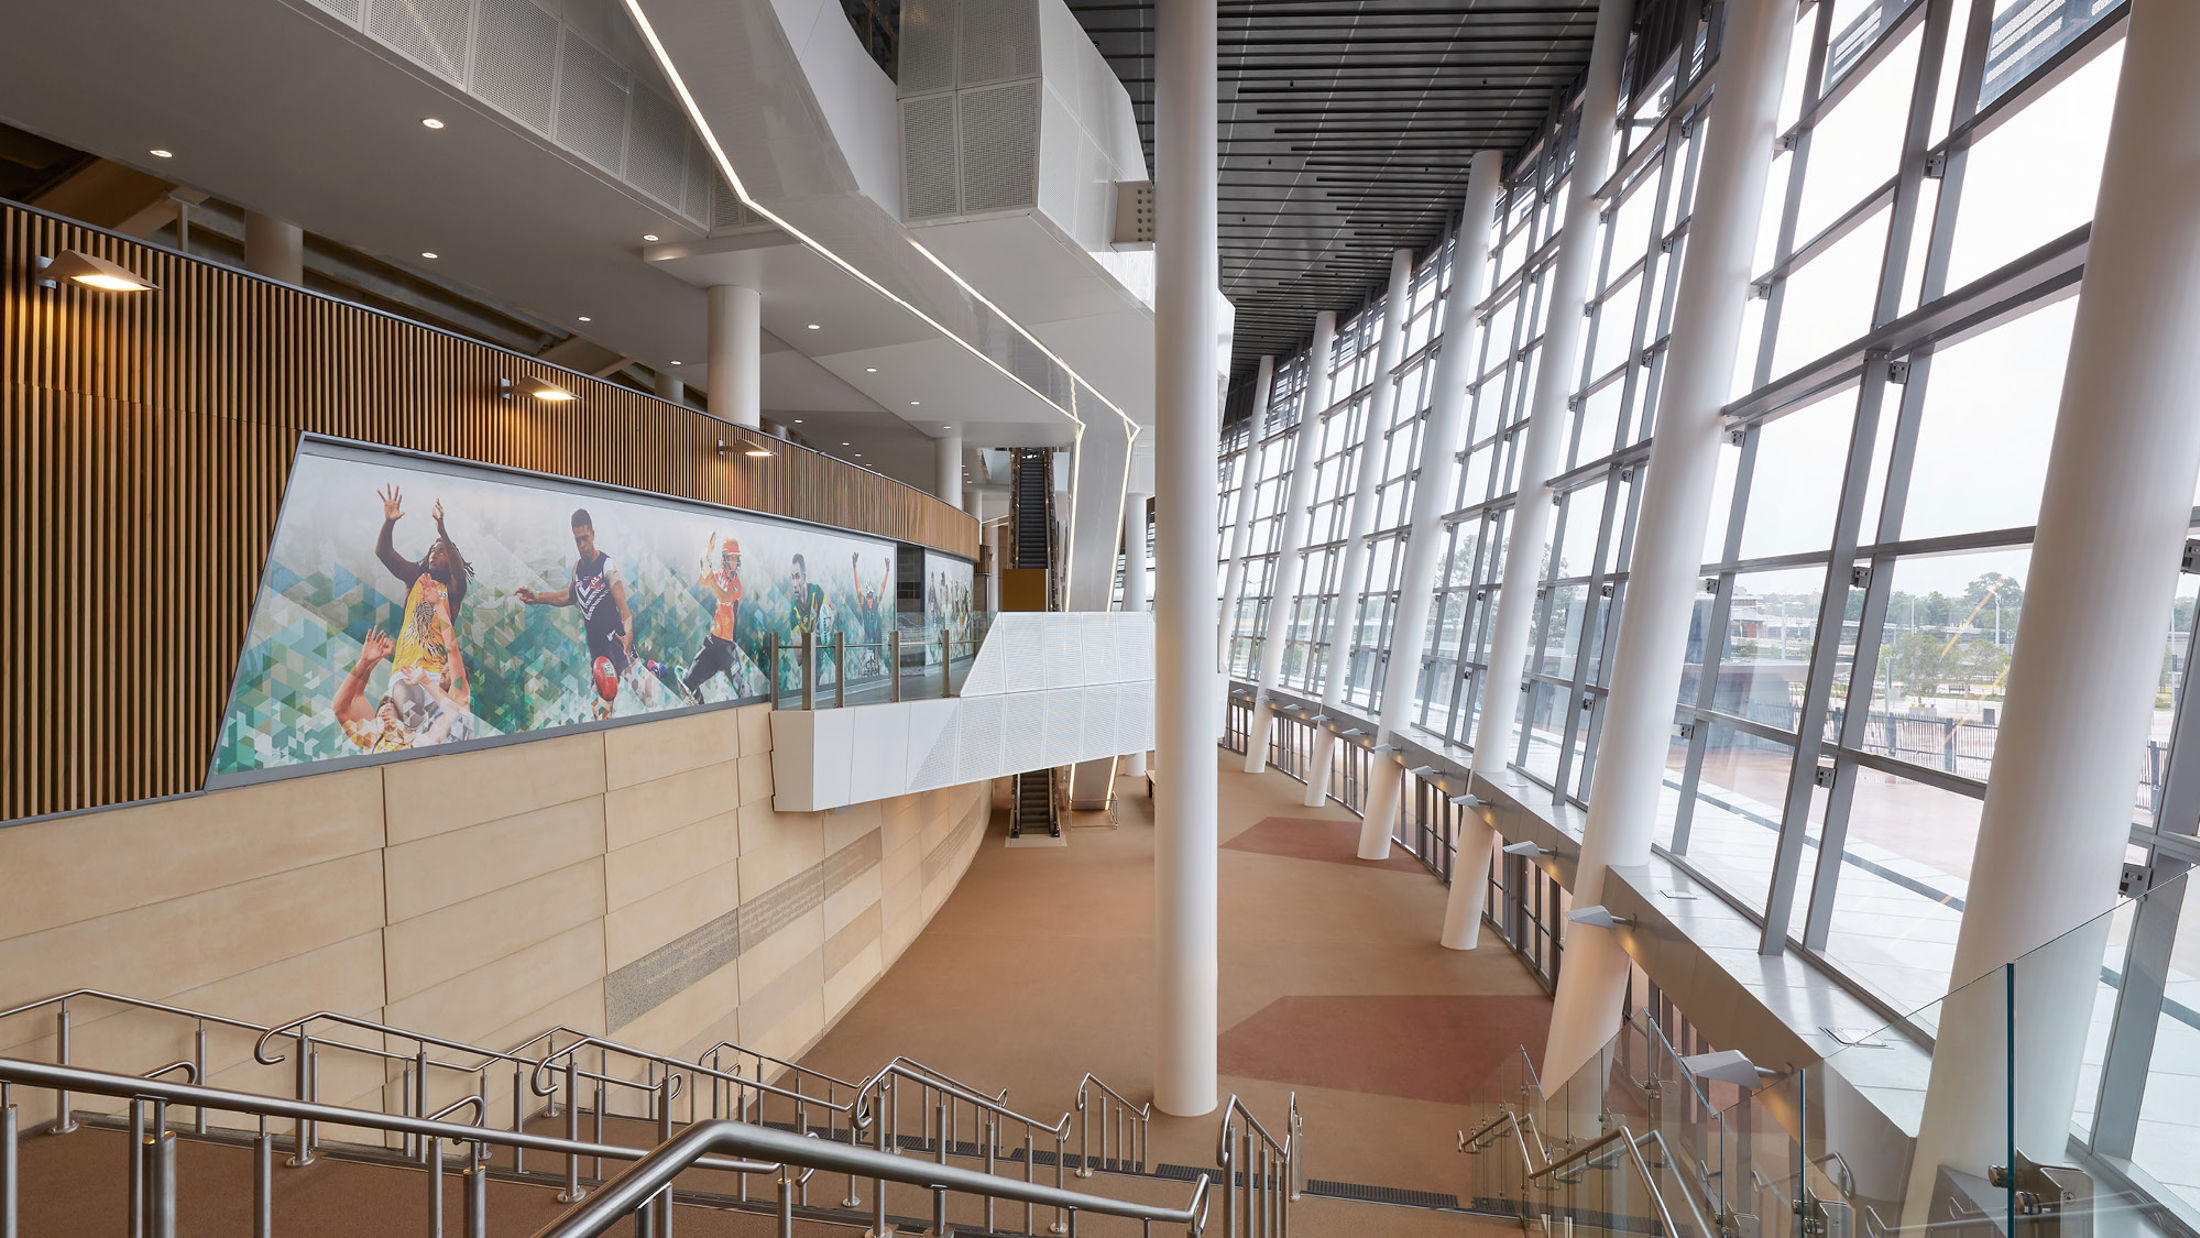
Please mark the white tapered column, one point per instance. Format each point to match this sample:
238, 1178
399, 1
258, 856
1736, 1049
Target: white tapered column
1298, 497
1344, 614
2113, 517
1432, 491
1550, 419
1134, 587
1187, 422
1676, 502
1241, 529
947, 467
736, 341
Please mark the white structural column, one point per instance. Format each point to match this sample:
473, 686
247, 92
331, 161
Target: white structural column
1432, 491
973, 504
736, 342
1676, 503
669, 388
1241, 529
275, 248
2113, 517
1298, 496
1134, 586
1557, 369
947, 461
1549, 421
1344, 614
1187, 423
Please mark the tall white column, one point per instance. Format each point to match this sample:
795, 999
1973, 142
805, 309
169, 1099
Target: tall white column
670, 388
1549, 422
1134, 587
275, 248
947, 453
1241, 529
1187, 423
1432, 492
1549, 419
974, 504
2113, 517
1298, 496
1344, 616
736, 341
1676, 503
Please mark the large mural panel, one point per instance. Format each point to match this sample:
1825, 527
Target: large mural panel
410, 602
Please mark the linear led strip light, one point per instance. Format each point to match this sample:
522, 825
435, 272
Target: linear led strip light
725, 167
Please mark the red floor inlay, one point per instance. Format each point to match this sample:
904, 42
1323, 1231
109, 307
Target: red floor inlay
1312, 838
1438, 1048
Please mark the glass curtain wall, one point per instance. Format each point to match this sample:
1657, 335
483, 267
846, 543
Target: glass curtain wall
1274, 435
1865, 570
1336, 465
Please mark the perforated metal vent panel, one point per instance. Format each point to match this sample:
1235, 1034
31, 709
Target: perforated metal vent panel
701, 178
516, 65
656, 147
981, 738
726, 210
928, 157
927, 46
432, 32
938, 768
592, 99
1065, 729
348, 10
1000, 147
1023, 723
1000, 40
1065, 655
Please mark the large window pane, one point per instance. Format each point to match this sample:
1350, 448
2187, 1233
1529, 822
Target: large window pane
1770, 627
1795, 486
1989, 416
1734, 824
1903, 874
2009, 208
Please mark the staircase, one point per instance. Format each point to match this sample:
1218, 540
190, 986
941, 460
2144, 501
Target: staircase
568, 1134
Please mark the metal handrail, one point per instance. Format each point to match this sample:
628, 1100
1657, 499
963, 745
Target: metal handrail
642, 1182
1596, 1149
1249, 1190
918, 1072
1132, 1131
138, 1002
883, 1088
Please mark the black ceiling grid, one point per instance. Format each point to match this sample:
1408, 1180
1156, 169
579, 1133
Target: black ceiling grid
1347, 128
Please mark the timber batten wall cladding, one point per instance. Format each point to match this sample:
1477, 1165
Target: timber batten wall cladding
148, 437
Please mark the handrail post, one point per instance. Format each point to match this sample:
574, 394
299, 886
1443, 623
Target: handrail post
10, 1166
893, 658
137, 1168
432, 1158
1084, 1136
160, 1178
474, 1199
786, 1206
1061, 1155
62, 1122
198, 1073
572, 1192
263, 1184
992, 1151
809, 669
302, 1153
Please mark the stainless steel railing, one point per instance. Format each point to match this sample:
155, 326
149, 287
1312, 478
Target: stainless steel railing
1123, 1129
940, 1103
1261, 1174
152, 1164
625, 1195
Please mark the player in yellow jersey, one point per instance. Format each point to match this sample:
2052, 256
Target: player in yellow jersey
426, 652
381, 727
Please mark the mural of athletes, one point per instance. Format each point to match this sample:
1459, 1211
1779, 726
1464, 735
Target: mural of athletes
948, 602
410, 601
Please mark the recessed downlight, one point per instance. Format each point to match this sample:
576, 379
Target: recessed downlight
649, 236
870, 369
429, 254
814, 326
915, 403
430, 122
675, 363
161, 152
844, 444
586, 318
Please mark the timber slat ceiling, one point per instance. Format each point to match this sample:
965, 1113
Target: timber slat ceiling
1347, 128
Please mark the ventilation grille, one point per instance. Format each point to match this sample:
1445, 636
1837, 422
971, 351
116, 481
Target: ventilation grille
1000, 147
1000, 40
927, 46
928, 157
347, 10
432, 32
514, 70
592, 97
981, 737
656, 148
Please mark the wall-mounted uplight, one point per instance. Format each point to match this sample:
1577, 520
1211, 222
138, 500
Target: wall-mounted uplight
753, 451
506, 387
79, 267
1596, 916
757, 453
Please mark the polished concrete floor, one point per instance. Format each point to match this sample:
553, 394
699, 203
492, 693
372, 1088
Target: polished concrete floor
1039, 968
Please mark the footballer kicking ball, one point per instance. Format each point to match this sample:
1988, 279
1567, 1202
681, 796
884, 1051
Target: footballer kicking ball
607, 680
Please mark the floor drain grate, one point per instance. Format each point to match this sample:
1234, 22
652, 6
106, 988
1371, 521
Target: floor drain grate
1381, 1194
